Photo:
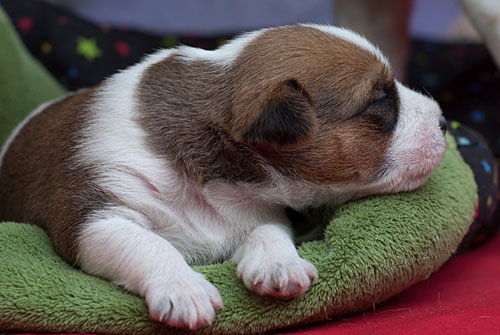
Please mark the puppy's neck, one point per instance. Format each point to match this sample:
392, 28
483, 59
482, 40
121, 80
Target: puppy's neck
184, 108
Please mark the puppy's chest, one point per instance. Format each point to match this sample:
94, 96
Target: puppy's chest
202, 242
205, 228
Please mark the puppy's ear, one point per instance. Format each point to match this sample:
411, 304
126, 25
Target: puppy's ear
287, 118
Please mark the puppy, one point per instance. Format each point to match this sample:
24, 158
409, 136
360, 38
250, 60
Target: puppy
191, 156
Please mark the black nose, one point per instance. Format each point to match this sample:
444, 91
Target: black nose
443, 125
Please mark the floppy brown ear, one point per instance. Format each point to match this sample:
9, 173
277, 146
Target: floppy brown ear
287, 117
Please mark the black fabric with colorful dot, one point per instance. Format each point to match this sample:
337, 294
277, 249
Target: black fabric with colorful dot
80, 54
465, 81
478, 156
462, 77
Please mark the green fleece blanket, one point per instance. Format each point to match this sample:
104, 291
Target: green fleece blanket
24, 83
372, 248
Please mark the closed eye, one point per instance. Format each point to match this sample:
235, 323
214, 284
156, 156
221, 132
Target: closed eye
379, 96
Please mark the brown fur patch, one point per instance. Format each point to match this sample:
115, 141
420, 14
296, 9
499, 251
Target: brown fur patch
185, 109
39, 182
343, 80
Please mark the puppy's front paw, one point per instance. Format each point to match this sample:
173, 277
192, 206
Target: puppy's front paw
283, 278
187, 301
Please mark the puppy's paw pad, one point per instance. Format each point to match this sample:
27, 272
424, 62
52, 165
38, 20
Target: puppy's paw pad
189, 302
282, 279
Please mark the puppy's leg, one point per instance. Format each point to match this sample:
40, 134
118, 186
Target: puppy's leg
143, 262
268, 263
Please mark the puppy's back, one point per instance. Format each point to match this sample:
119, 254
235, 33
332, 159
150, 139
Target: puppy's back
38, 164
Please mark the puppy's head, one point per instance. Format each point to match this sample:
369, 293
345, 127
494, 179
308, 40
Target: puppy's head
320, 105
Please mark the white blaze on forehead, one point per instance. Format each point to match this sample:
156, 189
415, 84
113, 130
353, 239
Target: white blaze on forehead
352, 37
224, 55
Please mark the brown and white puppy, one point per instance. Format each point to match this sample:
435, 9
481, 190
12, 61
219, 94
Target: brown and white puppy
190, 157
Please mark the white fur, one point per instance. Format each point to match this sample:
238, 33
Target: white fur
224, 55
418, 144
166, 221
352, 37
115, 246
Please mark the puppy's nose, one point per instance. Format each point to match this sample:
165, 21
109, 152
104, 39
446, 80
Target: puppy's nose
443, 125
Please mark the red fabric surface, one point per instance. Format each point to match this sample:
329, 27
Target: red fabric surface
463, 297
